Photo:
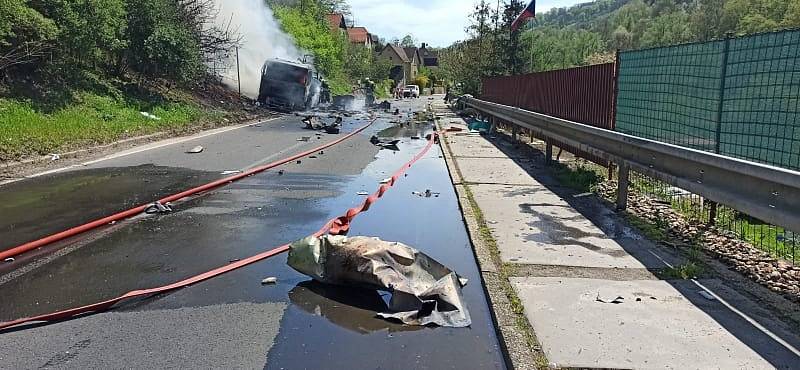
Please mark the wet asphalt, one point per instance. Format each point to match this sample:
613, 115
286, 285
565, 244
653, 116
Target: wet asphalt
310, 326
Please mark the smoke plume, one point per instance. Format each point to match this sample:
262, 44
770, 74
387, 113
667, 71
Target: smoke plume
262, 39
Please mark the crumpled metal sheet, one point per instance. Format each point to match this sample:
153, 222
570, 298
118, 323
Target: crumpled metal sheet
424, 292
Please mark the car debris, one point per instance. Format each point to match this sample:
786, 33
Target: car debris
362, 193
231, 172
385, 144
54, 157
196, 150
269, 281
427, 193
424, 292
158, 208
304, 138
9, 260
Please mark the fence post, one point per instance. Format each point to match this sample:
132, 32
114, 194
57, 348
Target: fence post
622, 187
548, 151
723, 74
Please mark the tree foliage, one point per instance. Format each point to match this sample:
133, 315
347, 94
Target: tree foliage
58, 41
343, 64
591, 33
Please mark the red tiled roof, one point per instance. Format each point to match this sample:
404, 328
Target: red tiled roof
358, 35
336, 21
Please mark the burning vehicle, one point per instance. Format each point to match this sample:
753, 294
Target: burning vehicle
290, 86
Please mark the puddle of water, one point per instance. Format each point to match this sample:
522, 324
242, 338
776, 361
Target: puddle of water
41, 206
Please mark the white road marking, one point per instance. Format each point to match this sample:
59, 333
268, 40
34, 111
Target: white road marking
741, 314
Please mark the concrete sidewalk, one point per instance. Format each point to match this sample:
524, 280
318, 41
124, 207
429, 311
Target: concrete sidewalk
586, 279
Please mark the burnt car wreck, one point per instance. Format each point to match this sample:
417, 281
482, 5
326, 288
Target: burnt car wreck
291, 86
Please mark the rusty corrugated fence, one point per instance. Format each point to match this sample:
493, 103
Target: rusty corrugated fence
582, 94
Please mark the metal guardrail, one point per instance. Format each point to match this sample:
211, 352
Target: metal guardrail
768, 193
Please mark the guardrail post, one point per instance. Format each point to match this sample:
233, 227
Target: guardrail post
622, 189
514, 133
549, 152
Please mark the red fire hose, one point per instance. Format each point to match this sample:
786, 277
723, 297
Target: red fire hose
337, 226
172, 198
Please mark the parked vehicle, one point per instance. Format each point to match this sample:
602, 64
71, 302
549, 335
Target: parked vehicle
289, 85
411, 91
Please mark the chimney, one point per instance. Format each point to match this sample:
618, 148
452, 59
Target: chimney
424, 45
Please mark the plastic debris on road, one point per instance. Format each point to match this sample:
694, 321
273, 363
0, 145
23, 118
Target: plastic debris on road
424, 292
196, 150
269, 281
150, 116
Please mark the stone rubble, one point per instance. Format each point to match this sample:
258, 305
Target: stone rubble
779, 276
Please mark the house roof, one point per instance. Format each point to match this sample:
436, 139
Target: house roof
336, 21
399, 51
411, 53
358, 35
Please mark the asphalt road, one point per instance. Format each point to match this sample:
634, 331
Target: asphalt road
233, 321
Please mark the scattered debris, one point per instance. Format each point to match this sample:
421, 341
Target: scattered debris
304, 138
269, 281
424, 292
231, 172
158, 208
617, 300
196, 150
54, 157
362, 193
583, 195
150, 116
280, 173
9, 260
454, 129
386, 181
427, 193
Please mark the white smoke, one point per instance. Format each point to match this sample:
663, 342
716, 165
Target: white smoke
262, 39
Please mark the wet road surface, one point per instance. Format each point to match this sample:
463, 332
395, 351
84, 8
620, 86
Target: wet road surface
313, 325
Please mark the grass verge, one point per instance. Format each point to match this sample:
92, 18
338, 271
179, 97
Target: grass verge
91, 119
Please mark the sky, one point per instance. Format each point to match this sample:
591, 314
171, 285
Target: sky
436, 22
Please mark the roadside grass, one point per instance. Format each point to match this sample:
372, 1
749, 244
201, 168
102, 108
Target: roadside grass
28, 128
579, 176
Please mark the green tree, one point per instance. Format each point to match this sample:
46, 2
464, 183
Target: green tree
25, 34
667, 29
409, 41
91, 32
159, 43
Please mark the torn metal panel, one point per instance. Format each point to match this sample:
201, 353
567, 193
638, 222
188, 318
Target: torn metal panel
424, 292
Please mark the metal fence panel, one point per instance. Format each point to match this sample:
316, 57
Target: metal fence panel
583, 94
737, 97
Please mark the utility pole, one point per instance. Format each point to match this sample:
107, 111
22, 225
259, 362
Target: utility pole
238, 71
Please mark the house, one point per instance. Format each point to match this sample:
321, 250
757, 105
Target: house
337, 23
359, 36
430, 58
405, 63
